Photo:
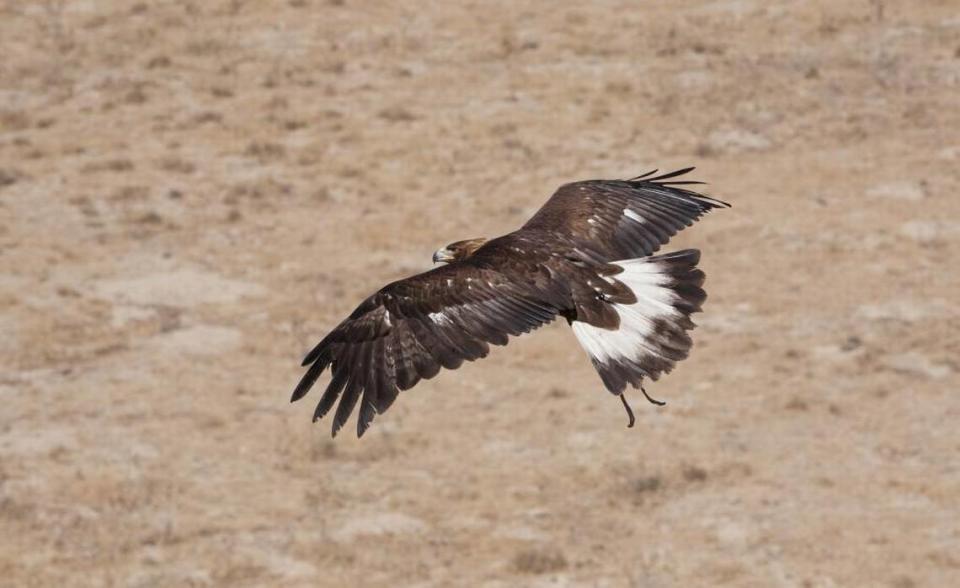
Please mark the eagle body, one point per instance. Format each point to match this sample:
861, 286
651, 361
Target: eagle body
586, 256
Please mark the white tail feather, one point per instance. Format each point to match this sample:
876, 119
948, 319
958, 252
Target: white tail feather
652, 335
648, 279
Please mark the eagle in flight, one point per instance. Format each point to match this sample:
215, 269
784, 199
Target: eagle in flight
586, 255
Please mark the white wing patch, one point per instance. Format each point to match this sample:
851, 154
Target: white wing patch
655, 300
440, 319
633, 215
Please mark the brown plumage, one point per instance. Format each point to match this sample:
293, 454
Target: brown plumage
583, 256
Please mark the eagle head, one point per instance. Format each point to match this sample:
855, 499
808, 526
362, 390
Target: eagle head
458, 250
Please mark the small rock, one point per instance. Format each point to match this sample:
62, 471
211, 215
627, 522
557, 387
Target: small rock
397, 114
694, 474
928, 231
852, 343
8, 177
539, 562
949, 153
647, 484
910, 191
387, 523
920, 231
903, 310
736, 141
918, 364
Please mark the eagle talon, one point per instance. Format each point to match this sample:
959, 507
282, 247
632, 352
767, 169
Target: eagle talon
651, 400
623, 399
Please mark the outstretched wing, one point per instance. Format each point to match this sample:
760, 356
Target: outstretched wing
610, 220
411, 328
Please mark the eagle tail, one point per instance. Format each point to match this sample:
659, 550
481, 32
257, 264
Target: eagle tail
652, 335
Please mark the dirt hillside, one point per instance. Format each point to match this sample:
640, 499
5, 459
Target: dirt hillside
192, 193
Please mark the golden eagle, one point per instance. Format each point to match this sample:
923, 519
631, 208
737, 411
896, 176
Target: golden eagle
586, 255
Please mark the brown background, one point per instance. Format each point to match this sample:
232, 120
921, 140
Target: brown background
192, 193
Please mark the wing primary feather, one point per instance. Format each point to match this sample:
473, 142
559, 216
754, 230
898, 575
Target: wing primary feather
426, 363
316, 351
672, 174
640, 177
371, 388
367, 411
482, 330
320, 364
661, 223
386, 389
330, 395
406, 370
351, 392
461, 340
668, 215
635, 233
436, 345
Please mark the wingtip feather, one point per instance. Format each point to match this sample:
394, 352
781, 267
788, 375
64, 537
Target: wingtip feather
641, 176
663, 180
314, 354
308, 380
672, 174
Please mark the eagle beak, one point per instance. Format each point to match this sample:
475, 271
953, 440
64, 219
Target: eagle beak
443, 255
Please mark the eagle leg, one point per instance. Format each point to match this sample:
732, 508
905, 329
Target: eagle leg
651, 400
623, 399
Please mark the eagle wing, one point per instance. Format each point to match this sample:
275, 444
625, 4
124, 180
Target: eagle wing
609, 220
411, 328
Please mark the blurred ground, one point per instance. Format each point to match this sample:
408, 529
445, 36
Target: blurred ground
192, 193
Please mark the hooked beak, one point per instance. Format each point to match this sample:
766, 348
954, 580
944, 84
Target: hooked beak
443, 255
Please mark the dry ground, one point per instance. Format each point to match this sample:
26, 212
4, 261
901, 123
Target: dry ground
191, 193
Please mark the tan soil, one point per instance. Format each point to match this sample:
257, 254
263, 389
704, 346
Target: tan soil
192, 193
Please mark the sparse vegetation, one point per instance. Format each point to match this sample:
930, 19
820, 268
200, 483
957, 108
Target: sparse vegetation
8, 177
109, 165
539, 562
